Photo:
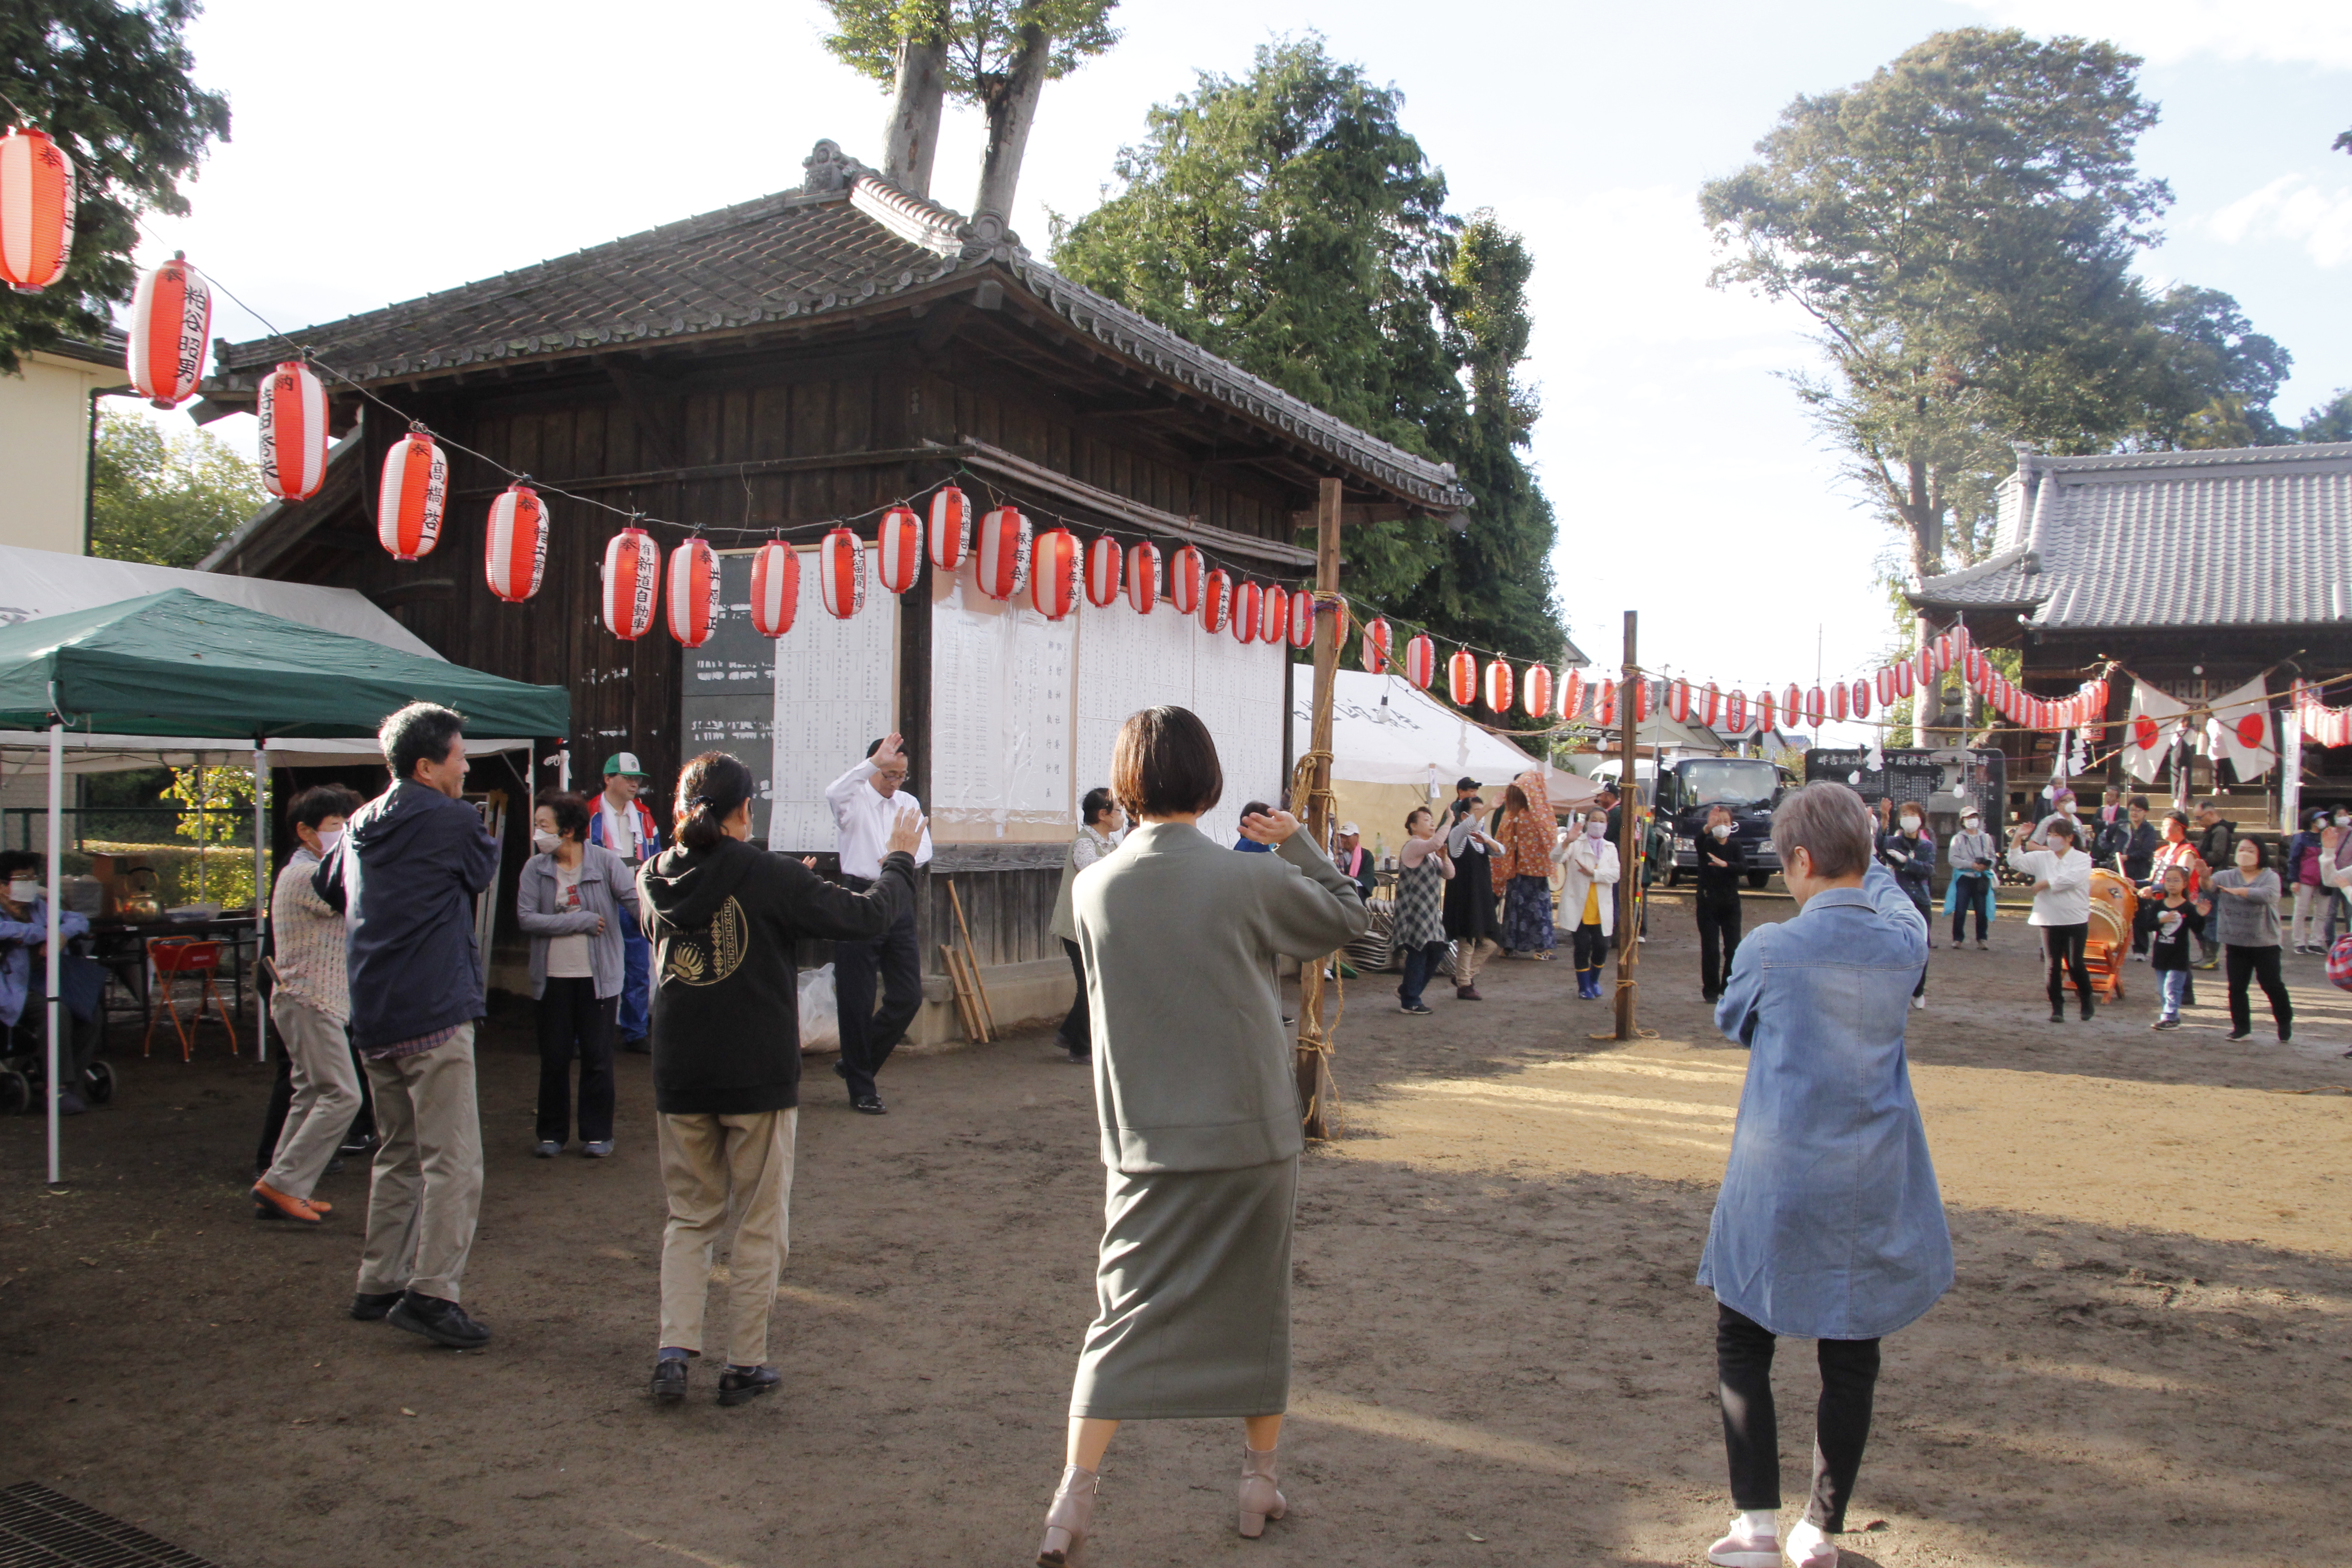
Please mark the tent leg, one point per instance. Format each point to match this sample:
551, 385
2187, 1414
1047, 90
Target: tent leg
261, 890
56, 870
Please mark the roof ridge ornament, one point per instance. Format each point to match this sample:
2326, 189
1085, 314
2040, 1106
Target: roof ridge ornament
988, 237
828, 169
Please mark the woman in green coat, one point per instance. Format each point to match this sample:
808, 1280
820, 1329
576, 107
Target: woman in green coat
1198, 1106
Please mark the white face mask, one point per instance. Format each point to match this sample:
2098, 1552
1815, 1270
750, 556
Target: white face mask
1910, 824
24, 890
1970, 823
327, 838
1596, 830
2342, 820
545, 842
1721, 830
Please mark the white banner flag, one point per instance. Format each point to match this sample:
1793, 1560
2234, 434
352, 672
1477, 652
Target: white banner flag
2242, 732
2155, 724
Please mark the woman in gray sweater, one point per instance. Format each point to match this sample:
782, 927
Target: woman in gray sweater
1197, 1101
2246, 924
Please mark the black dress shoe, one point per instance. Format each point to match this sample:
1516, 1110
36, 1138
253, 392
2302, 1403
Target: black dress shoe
742, 1385
870, 1105
443, 1322
841, 1069
362, 1144
372, 1308
669, 1379
640, 1046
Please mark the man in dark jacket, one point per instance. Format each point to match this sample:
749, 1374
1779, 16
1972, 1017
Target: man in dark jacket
2216, 846
725, 918
405, 878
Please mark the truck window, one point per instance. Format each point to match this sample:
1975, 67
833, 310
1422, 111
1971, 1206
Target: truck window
1729, 780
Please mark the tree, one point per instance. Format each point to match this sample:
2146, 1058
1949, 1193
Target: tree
1288, 223
2211, 375
996, 54
2331, 421
166, 504
109, 83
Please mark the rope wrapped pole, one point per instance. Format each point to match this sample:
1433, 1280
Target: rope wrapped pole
1629, 845
1315, 772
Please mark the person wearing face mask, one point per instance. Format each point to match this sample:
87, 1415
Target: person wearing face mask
1717, 903
569, 901
2303, 857
1910, 853
2062, 908
1101, 825
1973, 853
2245, 915
311, 1007
1470, 916
2174, 850
24, 978
1588, 889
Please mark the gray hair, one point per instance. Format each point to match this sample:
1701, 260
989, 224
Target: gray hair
1829, 823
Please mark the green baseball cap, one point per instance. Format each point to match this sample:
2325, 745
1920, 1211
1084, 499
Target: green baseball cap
624, 762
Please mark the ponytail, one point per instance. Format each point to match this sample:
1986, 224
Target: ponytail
710, 789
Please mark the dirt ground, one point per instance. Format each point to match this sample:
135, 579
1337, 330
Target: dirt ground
1500, 1355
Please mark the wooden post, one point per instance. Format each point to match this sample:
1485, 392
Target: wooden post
1629, 843
1311, 1030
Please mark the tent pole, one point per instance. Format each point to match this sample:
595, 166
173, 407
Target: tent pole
56, 870
261, 890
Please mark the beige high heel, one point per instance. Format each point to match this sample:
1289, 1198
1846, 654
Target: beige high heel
1260, 1501
1071, 1516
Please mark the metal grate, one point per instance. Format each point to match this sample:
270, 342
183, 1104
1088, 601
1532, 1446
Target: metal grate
42, 1529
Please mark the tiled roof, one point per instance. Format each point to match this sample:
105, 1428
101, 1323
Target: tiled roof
847, 237
2254, 536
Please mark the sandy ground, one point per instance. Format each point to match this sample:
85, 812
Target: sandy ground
1500, 1355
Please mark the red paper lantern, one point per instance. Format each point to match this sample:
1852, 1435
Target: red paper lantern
409, 500
694, 591
1055, 568
1903, 687
1886, 688
37, 210
951, 528
1840, 695
1302, 619
1185, 570
1571, 696
293, 410
1498, 687
1679, 702
1462, 678
1972, 668
1642, 701
775, 588
1923, 670
1003, 557
1142, 577
1862, 698
1273, 614
1764, 711
841, 574
1710, 705
1813, 706
1535, 692
898, 550
514, 547
1104, 558
632, 583
1605, 714
1735, 712
1216, 601
1376, 645
171, 323
1961, 643
1420, 660
1249, 604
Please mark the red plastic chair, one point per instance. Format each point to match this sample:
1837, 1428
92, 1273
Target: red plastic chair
176, 958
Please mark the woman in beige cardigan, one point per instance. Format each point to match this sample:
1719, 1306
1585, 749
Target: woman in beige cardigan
1198, 1105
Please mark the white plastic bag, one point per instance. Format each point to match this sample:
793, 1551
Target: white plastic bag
820, 1016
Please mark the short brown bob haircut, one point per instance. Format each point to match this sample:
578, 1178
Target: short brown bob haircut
1829, 823
1164, 764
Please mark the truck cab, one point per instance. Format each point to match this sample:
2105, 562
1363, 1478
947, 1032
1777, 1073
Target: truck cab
1690, 788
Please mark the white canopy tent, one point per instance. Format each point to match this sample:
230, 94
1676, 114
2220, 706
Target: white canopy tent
1386, 731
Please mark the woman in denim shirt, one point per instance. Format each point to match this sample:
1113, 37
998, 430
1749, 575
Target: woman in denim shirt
1829, 1225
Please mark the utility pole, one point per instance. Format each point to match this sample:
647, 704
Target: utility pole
1314, 1039
1629, 844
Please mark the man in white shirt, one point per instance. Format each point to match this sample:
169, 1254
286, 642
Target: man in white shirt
620, 822
865, 801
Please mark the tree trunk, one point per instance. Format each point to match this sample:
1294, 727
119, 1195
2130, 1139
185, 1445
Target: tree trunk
1011, 105
912, 138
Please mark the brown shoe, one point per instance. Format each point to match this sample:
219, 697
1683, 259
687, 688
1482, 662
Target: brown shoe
271, 1203
1467, 994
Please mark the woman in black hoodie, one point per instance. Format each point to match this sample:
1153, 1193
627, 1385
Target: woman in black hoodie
723, 917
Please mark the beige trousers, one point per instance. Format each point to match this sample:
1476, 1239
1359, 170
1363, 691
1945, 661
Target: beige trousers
1471, 956
426, 1189
326, 1094
711, 1166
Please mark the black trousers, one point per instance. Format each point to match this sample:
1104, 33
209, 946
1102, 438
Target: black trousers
1751, 1429
867, 1036
1972, 893
2248, 964
2064, 944
281, 1100
574, 1023
1718, 942
1591, 947
1922, 898
1077, 1031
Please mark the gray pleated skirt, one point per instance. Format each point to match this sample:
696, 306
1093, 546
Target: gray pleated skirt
1193, 1292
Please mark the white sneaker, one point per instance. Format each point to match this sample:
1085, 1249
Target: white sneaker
1809, 1546
1744, 1548
1919, 1003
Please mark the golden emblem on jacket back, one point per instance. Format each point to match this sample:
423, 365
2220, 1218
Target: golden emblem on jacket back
708, 956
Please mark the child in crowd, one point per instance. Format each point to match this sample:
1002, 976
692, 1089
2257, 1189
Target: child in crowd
2179, 918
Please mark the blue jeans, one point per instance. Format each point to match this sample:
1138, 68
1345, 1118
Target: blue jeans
636, 979
2176, 985
1420, 963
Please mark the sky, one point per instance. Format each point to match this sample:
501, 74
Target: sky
379, 155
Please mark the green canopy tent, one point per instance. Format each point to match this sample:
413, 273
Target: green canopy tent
178, 664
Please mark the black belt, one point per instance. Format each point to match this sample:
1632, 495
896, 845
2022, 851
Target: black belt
855, 884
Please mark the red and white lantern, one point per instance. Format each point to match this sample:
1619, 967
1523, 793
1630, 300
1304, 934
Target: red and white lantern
1679, 702
631, 584
1972, 668
1885, 684
1274, 615
898, 549
1814, 706
1420, 660
1735, 712
1054, 573
1535, 692
1499, 685
693, 592
37, 210
1142, 577
1302, 619
1862, 698
841, 573
1642, 700
1903, 682
1001, 558
950, 533
1764, 709
1924, 669
1249, 604
514, 547
1840, 695
1571, 696
1605, 714
775, 588
1104, 558
1376, 645
1792, 700
1185, 570
1462, 678
409, 501
171, 321
293, 410
1216, 601
1710, 706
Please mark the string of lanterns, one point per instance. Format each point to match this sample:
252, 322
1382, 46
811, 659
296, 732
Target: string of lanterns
2321, 724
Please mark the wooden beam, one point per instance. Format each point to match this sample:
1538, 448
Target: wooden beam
1118, 508
1377, 511
876, 458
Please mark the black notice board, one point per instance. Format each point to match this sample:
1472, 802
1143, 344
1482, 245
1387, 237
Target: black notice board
729, 698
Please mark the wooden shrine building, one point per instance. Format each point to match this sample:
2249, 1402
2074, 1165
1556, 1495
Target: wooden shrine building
2193, 570
809, 357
